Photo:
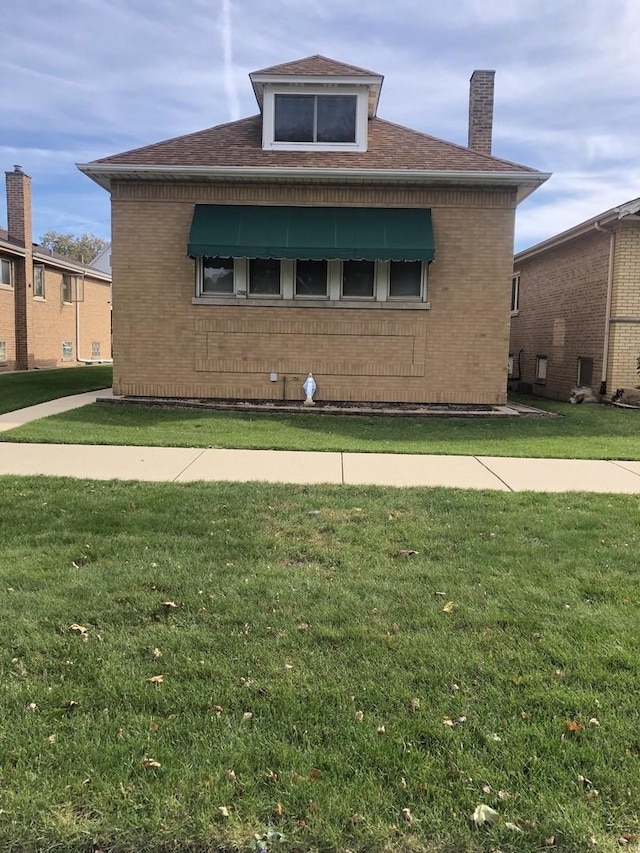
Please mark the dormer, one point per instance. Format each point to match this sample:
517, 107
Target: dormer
316, 104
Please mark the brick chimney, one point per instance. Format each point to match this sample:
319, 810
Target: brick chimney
481, 111
19, 207
20, 230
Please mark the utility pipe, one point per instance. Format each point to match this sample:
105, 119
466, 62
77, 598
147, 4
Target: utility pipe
607, 317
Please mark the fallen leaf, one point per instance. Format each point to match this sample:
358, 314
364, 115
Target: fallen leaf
380, 730
594, 721
224, 811
359, 716
247, 715
414, 704
314, 774
406, 815
356, 818
484, 814
494, 736
550, 841
513, 826
151, 763
407, 552
156, 679
52, 738
270, 776
403, 783
231, 776
448, 608
448, 722
503, 795
86, 781
303, 626
574, 726
80, 630
156, 653
32, 707
587, 783
486, 789
217, 709
278, 811
169, 605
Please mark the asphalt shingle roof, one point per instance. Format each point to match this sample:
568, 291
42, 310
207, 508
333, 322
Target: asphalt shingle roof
239, 143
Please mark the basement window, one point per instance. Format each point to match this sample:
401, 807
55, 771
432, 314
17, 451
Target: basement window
3, 350
95, 349
67, 351
541, 369
585, 372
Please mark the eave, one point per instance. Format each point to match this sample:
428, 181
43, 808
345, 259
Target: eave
104, 173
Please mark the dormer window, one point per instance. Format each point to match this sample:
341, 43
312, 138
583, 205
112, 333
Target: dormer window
315, 118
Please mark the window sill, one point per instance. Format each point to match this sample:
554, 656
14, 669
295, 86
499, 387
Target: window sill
515, 313
6, 287
311, 303
39, 299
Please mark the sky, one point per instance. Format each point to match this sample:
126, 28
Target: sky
84, 80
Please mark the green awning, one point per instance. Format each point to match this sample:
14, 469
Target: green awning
311, 233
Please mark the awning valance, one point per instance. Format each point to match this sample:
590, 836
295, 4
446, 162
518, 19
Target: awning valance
311, 233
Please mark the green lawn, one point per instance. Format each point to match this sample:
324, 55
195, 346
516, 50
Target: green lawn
585, 432
335, 657
27, 388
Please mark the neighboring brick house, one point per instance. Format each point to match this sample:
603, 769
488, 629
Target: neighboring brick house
54, 312
302, 239
576, 308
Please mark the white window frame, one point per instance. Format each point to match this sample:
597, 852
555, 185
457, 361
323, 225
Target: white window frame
41, 269
333, 298
422, 296
3, 351
69, 346
510, 365
268, 117
542, 364
6, 263
515, 294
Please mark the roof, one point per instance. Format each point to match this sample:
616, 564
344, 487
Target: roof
239, 143
316, 64
607, 217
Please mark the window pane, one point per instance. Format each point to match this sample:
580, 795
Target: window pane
38, 281
264, 276
311, 278
357, 278
515, 292
585, 371
294, 118
217, 275
66, 288
405, 278
337, 118
5, 272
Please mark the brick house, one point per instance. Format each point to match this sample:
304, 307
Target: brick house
576, 307
54, 312
315, 237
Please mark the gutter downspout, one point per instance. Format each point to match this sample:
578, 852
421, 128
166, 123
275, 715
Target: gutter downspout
607, 318
86, 360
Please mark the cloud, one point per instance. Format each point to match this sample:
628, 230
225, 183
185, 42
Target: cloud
106, 75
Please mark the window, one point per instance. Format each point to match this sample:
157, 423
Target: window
311, 278
358, 279
6, 272
315, 118
264, 277
3, 350
510, 365
217, 275
66, 290
72, 289
541, 368
95, 349
585, 372
38, 281
67, 351
405, 279
515, 293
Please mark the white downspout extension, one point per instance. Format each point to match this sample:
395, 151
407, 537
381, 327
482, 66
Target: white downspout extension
86, 360
607, 317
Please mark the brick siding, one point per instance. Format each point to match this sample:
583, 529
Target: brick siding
165, 345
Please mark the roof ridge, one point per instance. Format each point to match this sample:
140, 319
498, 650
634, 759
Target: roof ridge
275, 69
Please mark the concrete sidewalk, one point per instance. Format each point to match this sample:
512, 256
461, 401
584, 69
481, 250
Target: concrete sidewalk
181, 465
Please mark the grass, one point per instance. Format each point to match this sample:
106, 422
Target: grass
305, 623
585, 432
27, 388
